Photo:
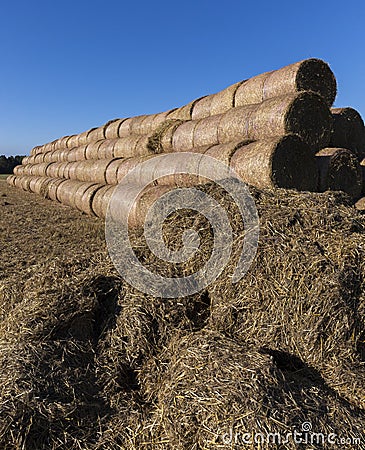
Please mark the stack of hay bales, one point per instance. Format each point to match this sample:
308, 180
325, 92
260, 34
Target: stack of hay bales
275, 130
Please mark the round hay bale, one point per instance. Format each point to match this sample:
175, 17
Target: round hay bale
135, 124
11, 180
112, 128
101, 199
48, 147
50, 156
185, 112
124, 128
144, 202
63, 170
206, 131
112, 171
35, 159
77, 154
28, 159
308, 75
157, 120
224, 100
348, 131
72, 141
201, 108
161, 140
18, 169
96, 134
33, 182
339, 170
92, 149
284, 162
66, 192
40, 169
142, 148
82, 138
183, 136
25, 182
304, 113
222, 153
73, 169
92, 170
125, 147
52, 188
40, 186
52, 170
106, 149
360, 204
35, 150
83, 196
129, 164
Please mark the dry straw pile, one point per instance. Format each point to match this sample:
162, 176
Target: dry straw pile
284, 131
88, 362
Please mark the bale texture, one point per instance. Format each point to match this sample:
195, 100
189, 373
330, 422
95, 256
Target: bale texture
101, 199
84, 195
52, 187
308, 75
348, 131
92, 149
284, 162
303, 113
96, 134
112, 128
339, 170
360, 204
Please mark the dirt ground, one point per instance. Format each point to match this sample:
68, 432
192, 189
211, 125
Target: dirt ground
34, 229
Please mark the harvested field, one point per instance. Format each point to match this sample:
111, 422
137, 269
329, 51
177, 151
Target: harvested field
80, 347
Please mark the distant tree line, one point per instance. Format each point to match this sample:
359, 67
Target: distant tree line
7, 163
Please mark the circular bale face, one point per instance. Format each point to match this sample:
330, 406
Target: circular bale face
101, 199
315, 75
348, 131
339, 170
277, 163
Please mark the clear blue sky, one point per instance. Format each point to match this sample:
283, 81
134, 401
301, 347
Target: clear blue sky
71, 65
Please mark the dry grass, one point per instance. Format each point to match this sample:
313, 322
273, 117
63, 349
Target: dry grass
87, 362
